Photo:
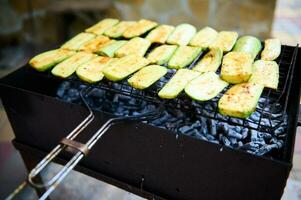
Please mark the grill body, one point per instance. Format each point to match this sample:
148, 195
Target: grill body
148, 157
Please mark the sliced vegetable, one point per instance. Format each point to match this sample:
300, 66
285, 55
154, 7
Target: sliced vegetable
210, 62
177, 83
160, 34
248, 44
240, 100
265, 73
146, 76
95, 44
182, 34
102, 26
161, 54
272, 49
204, 38
183, 56
91, 71
236, 67
124, 66
46, 60
117, 30
111, 47
225, 40
77, 41
205, 86
68, 66
134, 46
139, 28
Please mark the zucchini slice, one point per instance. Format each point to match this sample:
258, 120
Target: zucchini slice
117, 30
124, 67
102, 26
205, 86
182, 34
177, 83
46, 60
77, 41
91, 71
240, 100
111, 47
225, 40
134, 46
161, 54
272, 49
248, 44
204, 38
160, 34
139, 28
184, 56
94, 44
236, 67
265, 73
68, 66
146, 76
210, 62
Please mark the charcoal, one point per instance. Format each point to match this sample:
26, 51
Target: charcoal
209, 137
265, 135
212, 127
233, 140
244, 133
197, 124
201, 136
192, 132
232, 133
224, 140
185, 129
240, 143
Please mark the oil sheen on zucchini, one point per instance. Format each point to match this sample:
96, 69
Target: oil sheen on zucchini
48, 59
77, 41
205, 86
225, 40
146, 76
161, 54
183, 56
117, 30
139, 28
204, 37
160, 34
182, 34
240, 100
210, 62
134, 46
272, 49
248, 44
111, 47
102, 26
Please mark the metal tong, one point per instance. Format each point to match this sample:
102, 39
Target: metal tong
80, 150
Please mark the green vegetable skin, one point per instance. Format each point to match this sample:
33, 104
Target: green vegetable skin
146, 76
182, 34
117, 30
77, 41
124, 67
204, 38
205, 86
68, 66
139, 28
111, 47
183, 56
265, 73
161, 55
210, 62
272, 49
48, 59
240, 100
248, 44
177, 83
134, 46
102, 26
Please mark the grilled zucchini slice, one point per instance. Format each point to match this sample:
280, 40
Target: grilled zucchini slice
210, 62
205, 86
139, 28
236, 67
68, 66
111, 47
204, 38
117, 30
225, 40
95, 44
272, 49
248, 44
240, 100
134, 46
146, 76
161, 54
46, 60
160, 34
183, 56
91, 71
77, 41
182, 34
265, 73
177, 83
124, 67
102, 26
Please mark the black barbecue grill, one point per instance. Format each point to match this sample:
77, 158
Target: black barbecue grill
182, 154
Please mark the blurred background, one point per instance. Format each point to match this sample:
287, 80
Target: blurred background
28, 27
